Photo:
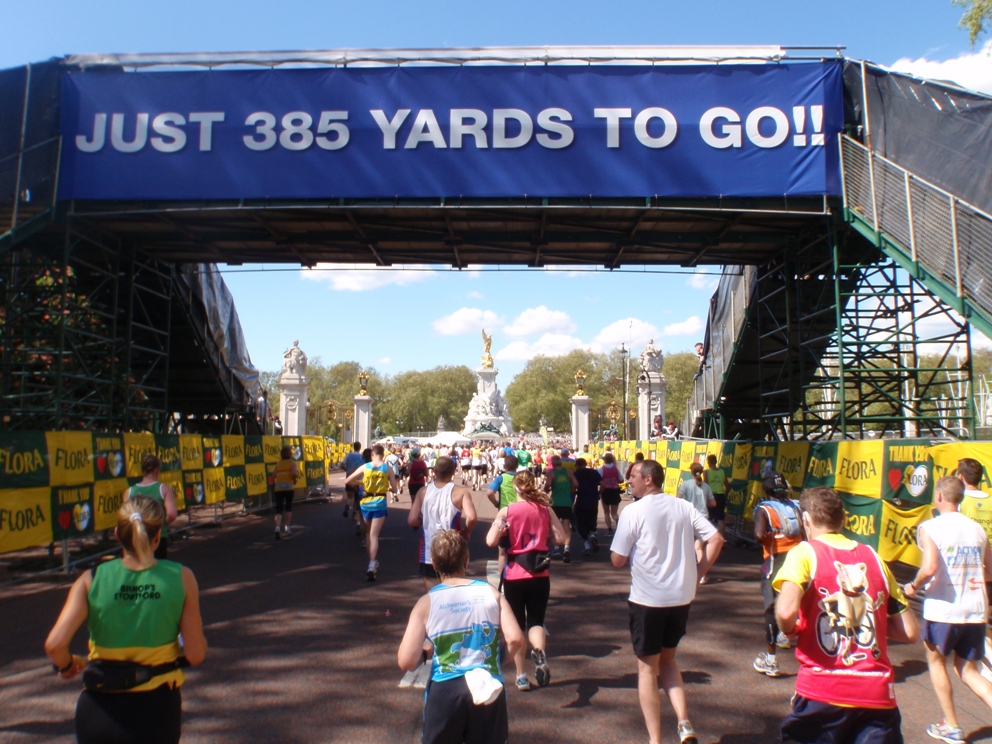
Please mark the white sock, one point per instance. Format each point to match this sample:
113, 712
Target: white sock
770, 658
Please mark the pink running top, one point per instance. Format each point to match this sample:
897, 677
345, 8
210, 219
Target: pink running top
528, 525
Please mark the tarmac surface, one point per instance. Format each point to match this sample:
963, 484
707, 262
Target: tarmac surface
303, 647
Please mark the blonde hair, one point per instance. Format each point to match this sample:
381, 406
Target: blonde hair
139, 520
526, 486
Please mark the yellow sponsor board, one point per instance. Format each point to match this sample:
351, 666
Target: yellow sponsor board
897, 536
214, 489
791, 462
25, 518
687, 456
191, 451
945, 459
742, 462
108, 495
174, 478
272, 447
859, 468
257, 483
233, 446
70, 457
136, 446
313, 449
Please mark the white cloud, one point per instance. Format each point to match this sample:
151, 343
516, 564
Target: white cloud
569, 270
550, 344
971, 70
358, 278
385, 360
474, 271
540, 319
631, 331
687, 327
466, 320
473, 295
705, 280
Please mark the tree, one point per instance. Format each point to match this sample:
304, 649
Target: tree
679, 370
977, 13
413, 401
545, 385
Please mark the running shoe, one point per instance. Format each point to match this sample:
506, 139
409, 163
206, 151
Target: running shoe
359, 532
345, 515
687, 734
595, 543
763, 665
541, 670
287, 530
373, 569
278, 537
523, 684
555, 553
782, 640
943, 732
567, 557
609, 533
586, 548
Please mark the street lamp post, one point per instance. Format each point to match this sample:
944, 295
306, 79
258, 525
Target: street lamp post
624, 355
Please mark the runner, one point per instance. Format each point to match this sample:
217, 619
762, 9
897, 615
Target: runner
149, 485
587, 505
957, 563
465, 464
452, 711
779, 529
395, 463
845, 689
524, 458
417, 473
526, 527
286, 474
378, 481
716, 479
697, 493
440, 506
610, 491
976, 504
656, 535
561, 483
501, 494
476, 466
352, 461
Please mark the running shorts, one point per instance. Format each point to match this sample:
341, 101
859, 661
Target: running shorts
655, 628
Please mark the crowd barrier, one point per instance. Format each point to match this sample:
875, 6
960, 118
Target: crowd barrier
886, 485
61, 485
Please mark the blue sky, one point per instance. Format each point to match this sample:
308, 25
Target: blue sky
425, 318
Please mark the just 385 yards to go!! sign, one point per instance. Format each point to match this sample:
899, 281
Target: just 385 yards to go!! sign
743, 130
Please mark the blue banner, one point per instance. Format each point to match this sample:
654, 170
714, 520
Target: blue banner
474, 132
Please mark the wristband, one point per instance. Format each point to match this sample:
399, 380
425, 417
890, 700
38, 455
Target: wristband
67, 667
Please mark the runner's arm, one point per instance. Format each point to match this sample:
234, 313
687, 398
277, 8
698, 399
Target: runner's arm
415, 518
392, 480
470, 516
760, 524
787, 607
712, 551
928, 566
73, 615
356, 475
497, 529
190, 622
169, 499
411, 650
561, 537
904, 627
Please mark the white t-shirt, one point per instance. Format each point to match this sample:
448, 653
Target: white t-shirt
956, 593
697, 495
657, 535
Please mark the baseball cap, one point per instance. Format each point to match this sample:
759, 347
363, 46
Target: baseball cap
564, 450
415, 451
775, 482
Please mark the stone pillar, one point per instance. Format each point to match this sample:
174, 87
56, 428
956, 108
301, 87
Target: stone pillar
363, 420
650, 401
580, 422
293, 404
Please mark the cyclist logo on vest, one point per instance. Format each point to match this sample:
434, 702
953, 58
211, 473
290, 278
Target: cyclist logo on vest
847, 619
476, 645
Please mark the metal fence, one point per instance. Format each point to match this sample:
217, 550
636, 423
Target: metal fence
949, 238
28, 183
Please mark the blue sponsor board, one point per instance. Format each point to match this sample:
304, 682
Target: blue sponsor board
474, 132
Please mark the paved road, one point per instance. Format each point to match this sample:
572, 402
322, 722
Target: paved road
302, 647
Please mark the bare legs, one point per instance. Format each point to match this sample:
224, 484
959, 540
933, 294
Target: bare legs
941, 681
372, 529
651, 669
538, 639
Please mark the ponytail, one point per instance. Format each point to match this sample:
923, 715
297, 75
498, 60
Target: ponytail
525, 485
139, 521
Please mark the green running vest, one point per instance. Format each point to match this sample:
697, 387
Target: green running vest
154, 490
507, 493
561, 487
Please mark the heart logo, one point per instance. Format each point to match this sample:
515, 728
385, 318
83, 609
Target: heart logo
207, 455
116, 463
217, 457
895, 478
65, 519
189, 493
101, 463
754, 468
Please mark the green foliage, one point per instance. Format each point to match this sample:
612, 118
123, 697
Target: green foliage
977, 13
679, 370
416, 399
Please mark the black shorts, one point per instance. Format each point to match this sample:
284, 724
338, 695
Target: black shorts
154, 716
812, 721
450, 716
719, 512
610, 496
528, 598
414, 489
283, 501
562, 512
966, 640
655, 628
428, 571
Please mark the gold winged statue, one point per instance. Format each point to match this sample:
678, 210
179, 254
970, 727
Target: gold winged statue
487, 358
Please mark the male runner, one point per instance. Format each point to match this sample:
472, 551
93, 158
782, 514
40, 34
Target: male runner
501, 494
655, 535
149, 485
976, 505
440, 506
716, 479
378, 481
561, 484
524, 458
352, 461
957, 563
845, 689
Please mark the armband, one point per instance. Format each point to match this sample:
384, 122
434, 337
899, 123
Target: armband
66, 668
